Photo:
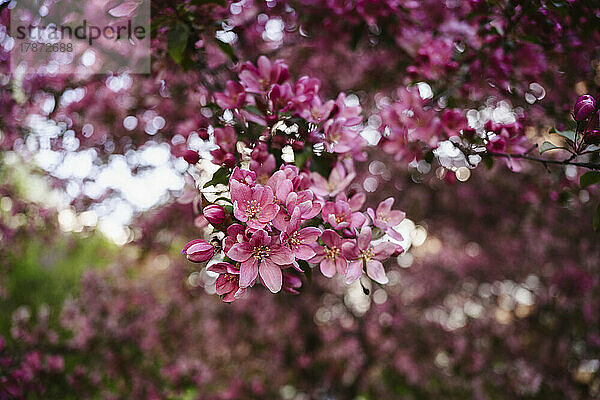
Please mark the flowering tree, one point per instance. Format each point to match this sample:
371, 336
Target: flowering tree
297, 125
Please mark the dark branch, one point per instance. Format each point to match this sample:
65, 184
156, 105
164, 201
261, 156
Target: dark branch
546, 161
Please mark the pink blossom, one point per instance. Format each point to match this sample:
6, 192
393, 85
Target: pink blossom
290, 200
351, 114
234, 96
263, 162
253, 205
338, 180
243, 176
340, 216
226, 139
300, 241
235, 234
363, 253
259, 256
258, 79
355, 202
228, 282
305, 89
316, 111
280, 96
338, 139
386, 219
331, 257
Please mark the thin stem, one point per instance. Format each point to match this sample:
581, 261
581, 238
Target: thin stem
546, 161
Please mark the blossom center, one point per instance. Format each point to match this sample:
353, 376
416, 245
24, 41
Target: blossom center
261, 252
253, 209
294, 240
331, 252
368, 254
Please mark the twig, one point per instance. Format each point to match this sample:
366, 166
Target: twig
546, 161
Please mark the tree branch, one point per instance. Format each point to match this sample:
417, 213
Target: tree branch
546, 161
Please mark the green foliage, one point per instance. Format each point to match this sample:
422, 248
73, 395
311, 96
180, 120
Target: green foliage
546, 146
177, 41
221, 176
39, 272
227, 49
569, 135
589, 178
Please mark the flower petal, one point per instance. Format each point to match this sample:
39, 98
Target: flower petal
376, 272
384, 250
309, 235
248, 272
341, 265
385, 206
328, 267
281, 255
364, 238
354, 271
224, 285
330, 238
271, 275
268, 212
240, 252
304, 252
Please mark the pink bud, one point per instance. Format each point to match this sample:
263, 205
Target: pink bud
198, 250
203, 133
584, 107
191, 156
229, 160
214, 213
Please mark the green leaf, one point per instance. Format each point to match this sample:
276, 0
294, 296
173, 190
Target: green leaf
589, 178
177, 41
322, 164
223, 199
488, 161
546, 146
596, 220
429, 156
301, 157
221, 176
570, 135
227, 49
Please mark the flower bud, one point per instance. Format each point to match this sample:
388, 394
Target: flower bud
198, 250
191, 156
203, 133
214, 213
584, 107
229, 160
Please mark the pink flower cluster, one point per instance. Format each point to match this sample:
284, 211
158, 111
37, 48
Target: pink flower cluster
276, 228
264, 95
411, 126
281, 216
